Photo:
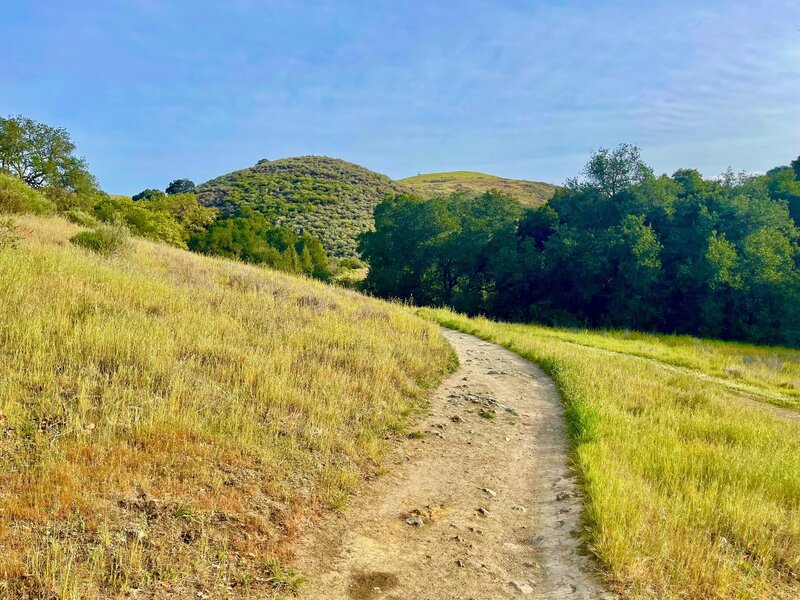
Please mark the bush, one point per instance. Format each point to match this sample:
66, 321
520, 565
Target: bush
8, 234
350, 263
17, 197
107, 239
80, 217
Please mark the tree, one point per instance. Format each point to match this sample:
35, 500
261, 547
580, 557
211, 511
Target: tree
147, 194
171, 219
620, 248
783, 183
180, 186
404, 249
42, 156
251, 238
612, 171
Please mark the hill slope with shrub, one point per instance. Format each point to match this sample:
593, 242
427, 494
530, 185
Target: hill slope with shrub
528, 193
329, 198
170, 421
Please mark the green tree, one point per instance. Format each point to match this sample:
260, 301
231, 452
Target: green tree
170, 219
783, 183
180, 186
619, 247
403, 248
42, 156
251, 238
147, 194
612, 171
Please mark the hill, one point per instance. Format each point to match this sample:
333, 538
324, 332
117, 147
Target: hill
327, 197
529, 193
169, 422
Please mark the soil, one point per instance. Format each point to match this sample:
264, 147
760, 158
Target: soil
483, 505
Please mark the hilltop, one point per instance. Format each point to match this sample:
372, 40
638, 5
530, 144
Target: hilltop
529, 193
329, 198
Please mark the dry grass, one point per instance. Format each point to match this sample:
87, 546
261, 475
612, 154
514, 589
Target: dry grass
689, 492
168, 422
529, 193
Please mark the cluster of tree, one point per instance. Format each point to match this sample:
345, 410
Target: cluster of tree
251, 238
40, 173
618, 247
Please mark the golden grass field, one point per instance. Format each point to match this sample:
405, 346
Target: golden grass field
170, 422
689, 491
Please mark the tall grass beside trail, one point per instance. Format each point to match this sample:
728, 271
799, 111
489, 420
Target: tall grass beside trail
689, 492
773, 369
170, 422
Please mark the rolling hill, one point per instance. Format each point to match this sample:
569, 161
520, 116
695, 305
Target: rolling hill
333, 199
529, 193
330, 198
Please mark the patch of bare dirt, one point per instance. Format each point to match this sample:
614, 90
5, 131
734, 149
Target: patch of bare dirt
482, 506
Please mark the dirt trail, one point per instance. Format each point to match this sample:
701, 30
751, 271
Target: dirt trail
483, 506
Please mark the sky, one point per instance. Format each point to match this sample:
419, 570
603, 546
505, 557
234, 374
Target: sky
155, 90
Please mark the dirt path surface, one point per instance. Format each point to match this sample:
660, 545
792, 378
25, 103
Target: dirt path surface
483, 506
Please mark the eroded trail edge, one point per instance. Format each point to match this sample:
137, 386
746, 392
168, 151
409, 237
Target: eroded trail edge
482, 506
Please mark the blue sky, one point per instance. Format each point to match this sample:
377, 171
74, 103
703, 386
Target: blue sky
154, 90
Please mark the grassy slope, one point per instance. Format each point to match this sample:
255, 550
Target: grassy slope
689, 492
329, 198
529, 193
168, 422
768, 373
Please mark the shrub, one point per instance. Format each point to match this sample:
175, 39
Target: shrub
17, 197
80, 217
350, 263
8, 234
106, 239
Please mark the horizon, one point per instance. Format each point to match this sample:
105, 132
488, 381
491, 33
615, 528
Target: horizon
153, 93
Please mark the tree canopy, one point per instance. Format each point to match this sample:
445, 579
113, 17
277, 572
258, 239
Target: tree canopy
616, 247
251, 238
180, 186
42, 156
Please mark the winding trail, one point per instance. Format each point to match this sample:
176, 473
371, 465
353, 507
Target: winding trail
482, 506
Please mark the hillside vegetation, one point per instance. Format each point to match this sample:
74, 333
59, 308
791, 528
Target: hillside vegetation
528, 193
326, 197
690, 489
169, 422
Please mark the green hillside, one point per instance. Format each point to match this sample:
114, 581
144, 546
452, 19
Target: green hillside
327, 197
529, 193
